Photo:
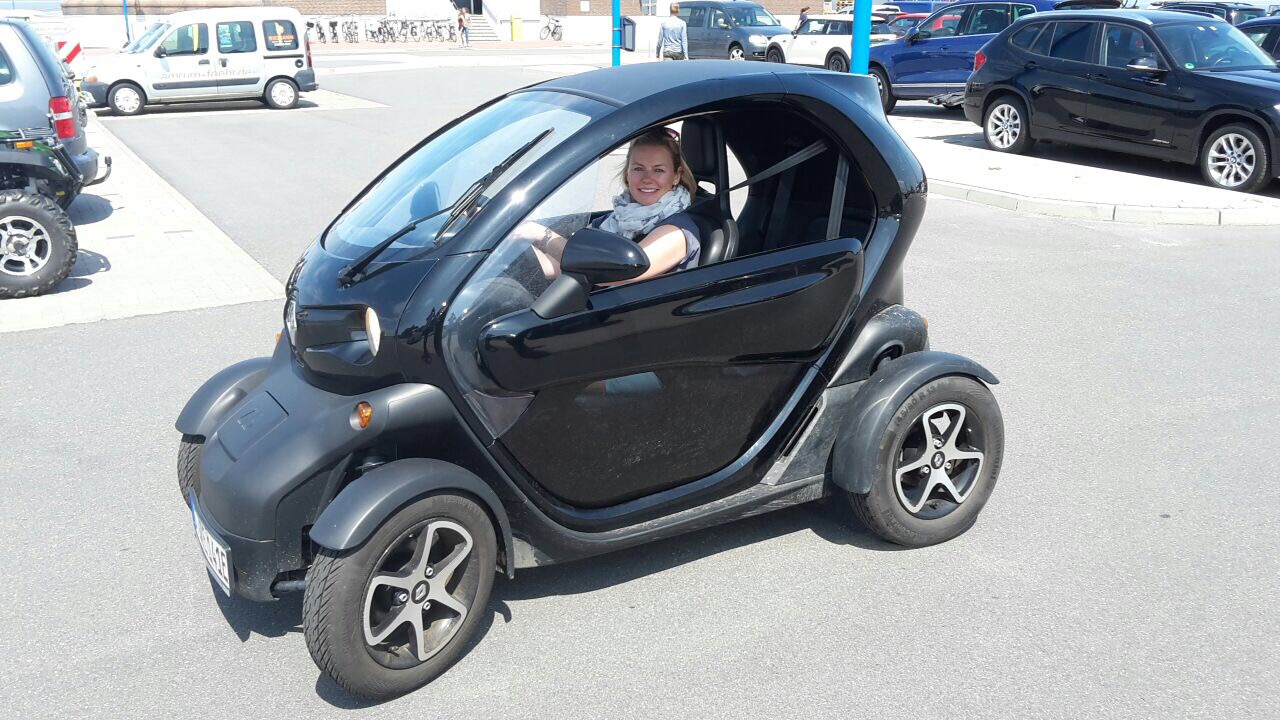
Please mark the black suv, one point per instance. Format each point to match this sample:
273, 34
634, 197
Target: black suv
1161, 84
1233, 12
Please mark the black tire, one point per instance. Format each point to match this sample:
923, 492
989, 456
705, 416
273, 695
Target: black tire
938, 517
774, 55
333, 608
281, 94
120, 99
837, 63
1006, 126
190, 449
52, 243
557, 34
544, 33
887, 100
1231, 150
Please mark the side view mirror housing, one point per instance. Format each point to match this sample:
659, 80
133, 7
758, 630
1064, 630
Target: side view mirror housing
915, 35
160, 52
591, 257
1144, 65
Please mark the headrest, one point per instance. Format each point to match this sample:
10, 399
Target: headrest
698, 142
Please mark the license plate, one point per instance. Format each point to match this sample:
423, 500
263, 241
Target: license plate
217, 556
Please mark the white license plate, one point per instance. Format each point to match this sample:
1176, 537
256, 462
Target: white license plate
217, 555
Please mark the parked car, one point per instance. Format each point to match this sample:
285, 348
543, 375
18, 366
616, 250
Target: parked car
936, 56
1265, 33
45, 161
202, 55
1233, 12
732, 29
823, 41
1159, 84
442, 405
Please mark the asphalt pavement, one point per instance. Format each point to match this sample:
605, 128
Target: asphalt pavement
1125, 567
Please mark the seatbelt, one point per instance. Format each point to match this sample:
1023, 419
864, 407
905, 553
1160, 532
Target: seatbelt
781, 166
780, 203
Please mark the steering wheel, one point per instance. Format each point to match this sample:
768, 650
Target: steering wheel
1224, 57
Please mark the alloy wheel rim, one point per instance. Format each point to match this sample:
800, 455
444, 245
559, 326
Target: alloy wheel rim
411, 609
1004, 126
737, 54
282, 93
1232, 159
939, 461
25, 246
128, 100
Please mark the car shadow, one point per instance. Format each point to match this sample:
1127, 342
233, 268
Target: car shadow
217, 106
247, 618
88, 209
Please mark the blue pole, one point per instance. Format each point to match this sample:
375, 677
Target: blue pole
860, 52
617, 33
128, 34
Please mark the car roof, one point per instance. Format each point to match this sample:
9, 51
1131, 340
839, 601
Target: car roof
628, 84
1215, 3
1143, 17
1265, 21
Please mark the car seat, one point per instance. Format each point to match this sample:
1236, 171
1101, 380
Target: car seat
704, 151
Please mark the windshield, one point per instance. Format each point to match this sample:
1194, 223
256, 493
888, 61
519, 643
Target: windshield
1212, 45
1249, 14
752, 16
146, 39
436, 175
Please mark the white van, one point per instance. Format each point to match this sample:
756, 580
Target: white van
202, 55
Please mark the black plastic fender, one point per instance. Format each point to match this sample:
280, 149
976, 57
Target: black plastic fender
218, 395
895, 331
361, 507
859, 440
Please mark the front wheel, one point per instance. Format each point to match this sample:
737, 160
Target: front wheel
887, 100
37, 244
1007, 127
1235, 158
736, 53
126, 99
392, 615
281, 94
939, 460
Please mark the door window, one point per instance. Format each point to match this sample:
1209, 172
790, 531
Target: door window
6, 70
1123, 46
279, 35
840, 27
236, 37
188, 40
697, 17
1071, 41
987, 20
814, 27
1024, 37
1021, 10
719, 21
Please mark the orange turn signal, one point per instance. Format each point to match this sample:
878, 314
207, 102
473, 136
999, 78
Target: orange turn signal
24, 145
363, 414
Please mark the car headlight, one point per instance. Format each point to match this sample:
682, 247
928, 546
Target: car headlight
372, 329
291, 321
757, 39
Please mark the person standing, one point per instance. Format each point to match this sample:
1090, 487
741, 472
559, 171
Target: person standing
673, 37
463, 17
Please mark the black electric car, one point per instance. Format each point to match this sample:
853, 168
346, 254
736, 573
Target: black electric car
437, 408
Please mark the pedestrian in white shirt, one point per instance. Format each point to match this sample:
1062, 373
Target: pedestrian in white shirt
673, 37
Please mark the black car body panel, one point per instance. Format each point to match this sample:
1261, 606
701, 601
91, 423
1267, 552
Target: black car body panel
1165, 114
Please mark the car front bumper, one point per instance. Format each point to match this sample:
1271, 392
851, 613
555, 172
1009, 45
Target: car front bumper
96, 90
306, 80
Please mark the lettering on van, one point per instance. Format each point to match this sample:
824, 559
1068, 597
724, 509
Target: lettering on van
228, 73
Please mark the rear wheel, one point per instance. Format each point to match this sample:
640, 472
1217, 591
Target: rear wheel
774, 55
887, 100
392, 615
837, 63
37, 244
1007, 127
126, 99
1234, 157
557, 34
281, 94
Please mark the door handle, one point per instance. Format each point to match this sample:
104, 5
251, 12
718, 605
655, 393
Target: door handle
222, 62
1030, 65
203, 62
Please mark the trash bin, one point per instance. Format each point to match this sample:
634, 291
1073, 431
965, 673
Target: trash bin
517, 28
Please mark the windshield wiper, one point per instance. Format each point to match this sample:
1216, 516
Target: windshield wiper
354, 272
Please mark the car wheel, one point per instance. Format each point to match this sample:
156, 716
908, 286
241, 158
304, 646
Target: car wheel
126, 99
940, 457
774, 55
887, 100
37, 244
1234, 157
1007, 127
281, 94
736, 53
190, 449
837, 63
390, 616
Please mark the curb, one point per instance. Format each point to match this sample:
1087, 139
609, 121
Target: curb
1106, 212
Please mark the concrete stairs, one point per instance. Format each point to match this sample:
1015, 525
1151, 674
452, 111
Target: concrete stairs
481, 30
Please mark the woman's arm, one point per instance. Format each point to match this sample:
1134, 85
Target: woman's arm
665, 247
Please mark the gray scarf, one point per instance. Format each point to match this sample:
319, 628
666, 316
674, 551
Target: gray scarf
632, 220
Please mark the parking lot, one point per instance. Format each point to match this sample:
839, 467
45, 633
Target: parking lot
1125, 566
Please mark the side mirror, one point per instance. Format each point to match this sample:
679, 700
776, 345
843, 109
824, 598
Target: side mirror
591, 257
1146, 64
161, 52
628, 34
915, 35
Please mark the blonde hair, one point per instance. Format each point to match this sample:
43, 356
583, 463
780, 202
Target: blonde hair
663, 138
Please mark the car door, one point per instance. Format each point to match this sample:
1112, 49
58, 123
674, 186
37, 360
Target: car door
919, 62
181, 66
719, 33
839, 35
804, 51
697, 31
1134, 108
240, 63
1063, 59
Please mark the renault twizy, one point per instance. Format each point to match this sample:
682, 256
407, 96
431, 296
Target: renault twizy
437, 410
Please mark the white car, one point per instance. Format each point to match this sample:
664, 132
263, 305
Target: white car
823, 41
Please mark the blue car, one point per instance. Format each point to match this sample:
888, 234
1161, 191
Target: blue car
1265, 33
936, 56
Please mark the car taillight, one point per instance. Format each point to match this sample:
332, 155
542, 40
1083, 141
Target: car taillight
64, 121
978, 61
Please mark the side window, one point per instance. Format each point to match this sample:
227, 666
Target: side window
1024, 37
684, 13
948, 22
718, 20
1044, 39
815, 27
6, 70
236, 37
697, 17
1022, 10
1122, 46
188, 40
987, 20
1071, 41
279, 35
840, 27
1258, 36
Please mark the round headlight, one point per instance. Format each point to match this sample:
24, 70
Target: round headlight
372, 329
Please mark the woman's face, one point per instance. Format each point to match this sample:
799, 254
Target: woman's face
651, 174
